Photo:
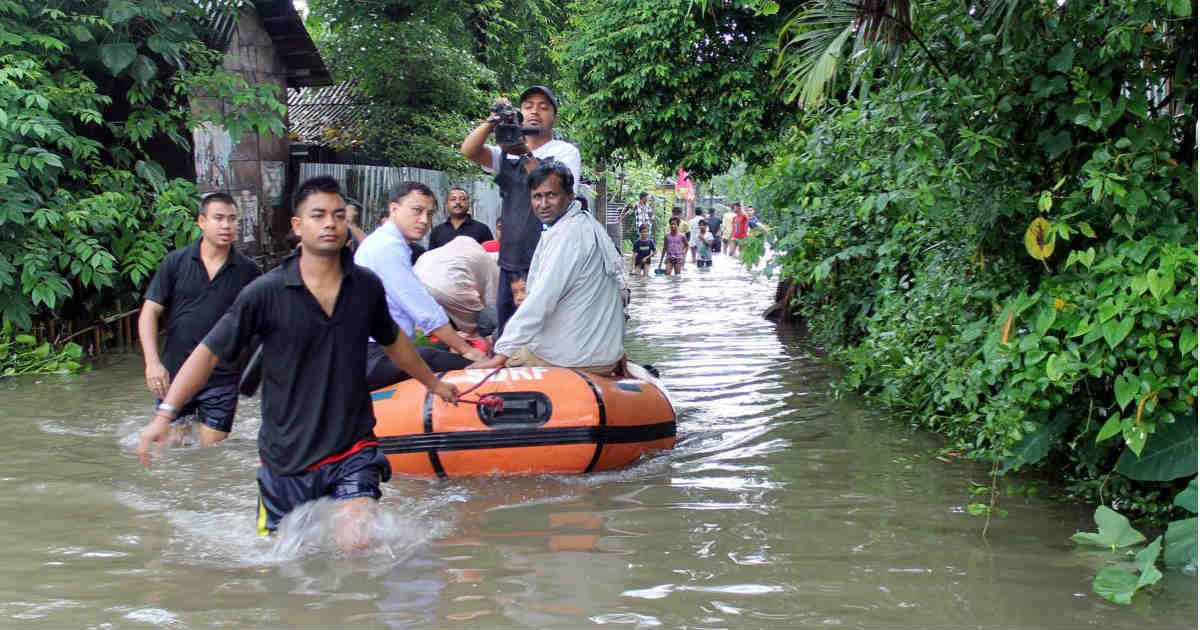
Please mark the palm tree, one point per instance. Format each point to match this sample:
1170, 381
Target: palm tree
819, 39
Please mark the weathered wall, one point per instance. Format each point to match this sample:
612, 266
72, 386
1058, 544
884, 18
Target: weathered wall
251, 168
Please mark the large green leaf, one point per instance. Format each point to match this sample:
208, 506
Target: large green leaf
1034, 446
1187, 498
117, 57
1063, 60
1118, 581
1180, 552
1115, 531
1115, 583
1145, 561
1169, 454
119, 13
143, 69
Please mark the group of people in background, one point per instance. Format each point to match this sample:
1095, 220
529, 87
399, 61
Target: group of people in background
349, 311
697, 239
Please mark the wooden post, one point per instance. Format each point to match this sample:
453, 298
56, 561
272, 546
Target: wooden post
97, 338
119, 331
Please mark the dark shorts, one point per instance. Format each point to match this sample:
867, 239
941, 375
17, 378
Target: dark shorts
381, 371
213, 407
358, 475
641, 262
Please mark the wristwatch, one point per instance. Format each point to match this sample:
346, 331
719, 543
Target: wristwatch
167, 407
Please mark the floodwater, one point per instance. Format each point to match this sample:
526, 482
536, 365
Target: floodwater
780, 508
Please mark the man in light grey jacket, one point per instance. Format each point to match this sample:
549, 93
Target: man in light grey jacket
574, 315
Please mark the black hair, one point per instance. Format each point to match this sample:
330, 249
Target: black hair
215, 197
518, 276
545, 169
699, 212
453, 188
313, 186
643, 227
643, 195
403, 189
676, 209
675, 220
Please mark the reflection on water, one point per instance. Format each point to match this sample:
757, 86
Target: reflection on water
779, 508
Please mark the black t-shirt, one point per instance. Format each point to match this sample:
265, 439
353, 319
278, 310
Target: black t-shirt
522, 229
315, 401
445, 232
193, 303
643, 248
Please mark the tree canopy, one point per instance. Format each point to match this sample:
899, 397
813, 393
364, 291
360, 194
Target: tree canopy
88, 93
683, 82
426, 71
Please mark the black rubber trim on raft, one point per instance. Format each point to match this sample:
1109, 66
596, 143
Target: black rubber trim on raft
603, 420
511, 438
434, 460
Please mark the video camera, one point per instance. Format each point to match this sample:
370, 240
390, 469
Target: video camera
509, 130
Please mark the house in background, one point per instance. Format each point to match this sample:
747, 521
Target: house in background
265, 44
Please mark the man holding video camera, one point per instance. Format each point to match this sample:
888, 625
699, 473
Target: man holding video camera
525, 137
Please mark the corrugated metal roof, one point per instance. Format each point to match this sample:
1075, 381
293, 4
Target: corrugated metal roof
327, 116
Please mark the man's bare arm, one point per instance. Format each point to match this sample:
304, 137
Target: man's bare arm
404, 355
450, 337
157, 377
473, 147
191, 378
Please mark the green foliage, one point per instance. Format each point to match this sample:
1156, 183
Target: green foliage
1170, 456
1114, 531
428, 71
902, 212
1118, 581
1180, 539
86, 213
675, 80
22, 354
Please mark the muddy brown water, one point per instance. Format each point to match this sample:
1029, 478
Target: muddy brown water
780, 508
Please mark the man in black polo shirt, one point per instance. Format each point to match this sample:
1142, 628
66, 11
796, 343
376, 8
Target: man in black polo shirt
194, 286
314, 314
460, 223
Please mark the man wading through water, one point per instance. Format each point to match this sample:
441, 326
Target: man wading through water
314, 314
194, 286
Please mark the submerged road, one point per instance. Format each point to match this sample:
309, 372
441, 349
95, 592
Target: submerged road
780, 508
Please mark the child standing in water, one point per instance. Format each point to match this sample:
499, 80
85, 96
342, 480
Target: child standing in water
643, 250
704, 243
674, 248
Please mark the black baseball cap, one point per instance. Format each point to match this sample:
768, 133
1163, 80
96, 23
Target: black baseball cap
545, 92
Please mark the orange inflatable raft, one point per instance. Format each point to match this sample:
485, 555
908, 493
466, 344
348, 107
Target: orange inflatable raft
553, 421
